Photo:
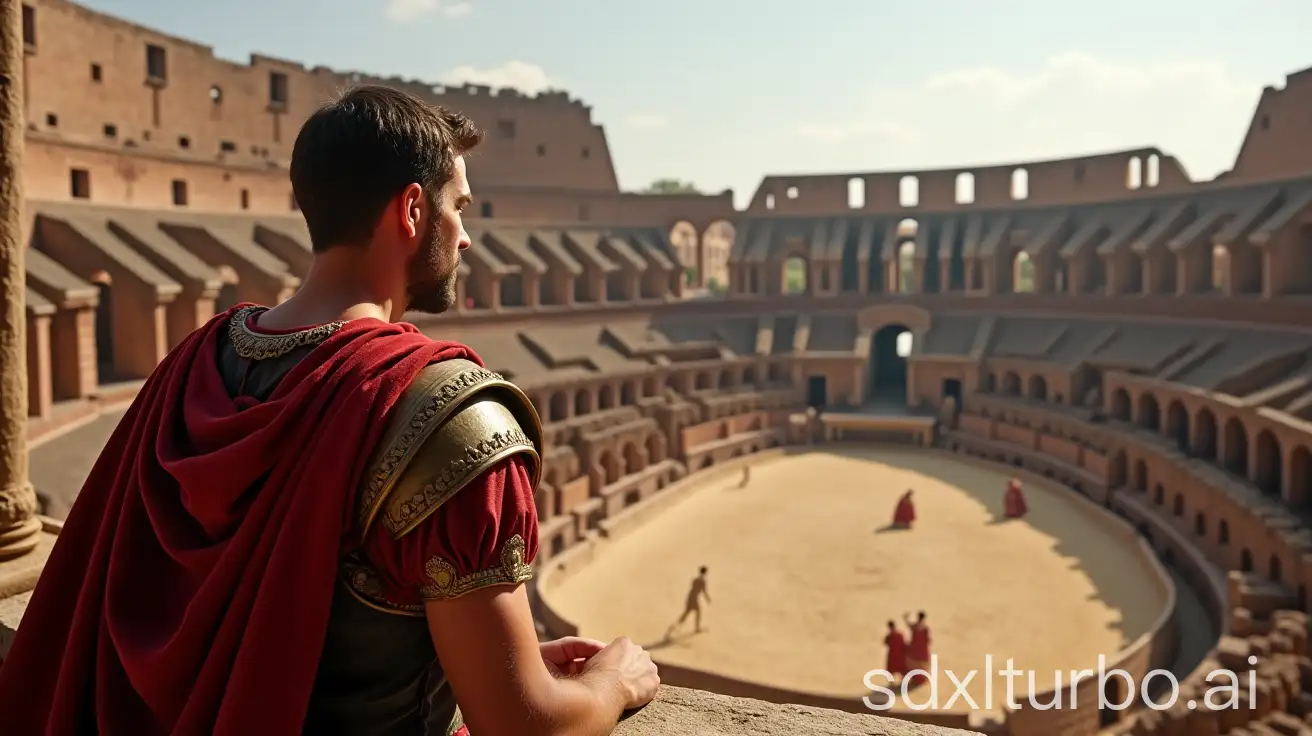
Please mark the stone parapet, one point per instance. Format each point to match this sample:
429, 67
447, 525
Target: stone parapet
680, 711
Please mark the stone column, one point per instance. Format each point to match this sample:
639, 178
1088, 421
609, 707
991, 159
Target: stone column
19, 527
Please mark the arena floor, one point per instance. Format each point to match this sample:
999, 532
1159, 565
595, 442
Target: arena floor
804, 576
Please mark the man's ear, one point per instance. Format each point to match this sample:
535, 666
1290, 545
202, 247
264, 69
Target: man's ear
411, 205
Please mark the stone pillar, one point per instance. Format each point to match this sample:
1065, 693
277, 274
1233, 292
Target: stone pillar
19, 527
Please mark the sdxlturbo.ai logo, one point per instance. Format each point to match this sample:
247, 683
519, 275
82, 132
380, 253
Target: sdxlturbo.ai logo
1159, 689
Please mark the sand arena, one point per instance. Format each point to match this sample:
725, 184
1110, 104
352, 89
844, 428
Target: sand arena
804, 574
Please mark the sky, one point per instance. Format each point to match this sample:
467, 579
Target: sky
724, 92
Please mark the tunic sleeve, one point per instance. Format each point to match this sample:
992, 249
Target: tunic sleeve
487, 534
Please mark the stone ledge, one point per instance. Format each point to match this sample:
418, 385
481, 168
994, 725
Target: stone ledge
696, 713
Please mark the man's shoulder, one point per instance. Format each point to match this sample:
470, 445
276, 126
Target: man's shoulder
455, 421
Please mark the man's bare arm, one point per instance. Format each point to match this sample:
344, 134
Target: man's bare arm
488, 648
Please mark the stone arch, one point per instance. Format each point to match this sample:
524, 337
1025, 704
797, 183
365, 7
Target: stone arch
582, 402
633, 462
655, 448
1118, 470
965, 189
1120, 405
908, 191
1223, 533
610, 467
1022, 273
1268, 473
1274, 571
856, 193
1205, 444
559, 409
906, 267
795, 275
1038, 387
1153, 175
684, 238
1177, 425
606, 397
651, 386
1134, 173
1200, 524
628, 393
1150, 413
916, 319
1177, 506
1236, 447
1245, 560
1140, 475
726, 379
1020, 184
1159, 495
1011, 384
713, 259
1220, 267
1300, 478
703, 381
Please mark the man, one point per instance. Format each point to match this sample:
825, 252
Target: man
918, 657
314, 518
905, 512
692, 605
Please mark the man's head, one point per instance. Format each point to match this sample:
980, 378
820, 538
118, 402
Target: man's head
703, 570
383, 172
921, 617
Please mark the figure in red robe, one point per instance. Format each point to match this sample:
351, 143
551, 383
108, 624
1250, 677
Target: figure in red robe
896, 661
1014, 501
918, 656
314, 518
905, 513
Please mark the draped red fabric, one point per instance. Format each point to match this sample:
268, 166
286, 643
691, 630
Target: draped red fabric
190, 589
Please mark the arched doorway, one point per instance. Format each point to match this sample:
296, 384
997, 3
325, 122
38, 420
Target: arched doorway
683, 236
717, 241
796, 277
889, 349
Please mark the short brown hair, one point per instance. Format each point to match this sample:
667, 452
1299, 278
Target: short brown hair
355, 154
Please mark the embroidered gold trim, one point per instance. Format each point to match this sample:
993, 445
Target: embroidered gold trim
401, 518
439, 390
398, 452
447, 584
252, 345
364, 583
457, 721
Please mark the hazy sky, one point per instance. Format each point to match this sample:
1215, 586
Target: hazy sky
722, 92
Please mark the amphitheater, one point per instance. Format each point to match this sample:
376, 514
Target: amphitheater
1135, 346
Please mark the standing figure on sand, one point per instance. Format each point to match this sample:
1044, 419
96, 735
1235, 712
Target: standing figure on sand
895, 664
918, 648
693, 604
747, 476
905, 513
1013, 501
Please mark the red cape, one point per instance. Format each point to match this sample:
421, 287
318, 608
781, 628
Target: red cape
1014, 502
896, 661
905, 513
190, 589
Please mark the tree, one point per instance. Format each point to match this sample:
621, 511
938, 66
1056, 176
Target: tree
672, 186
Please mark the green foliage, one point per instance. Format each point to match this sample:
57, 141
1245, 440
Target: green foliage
672, 186
794, 276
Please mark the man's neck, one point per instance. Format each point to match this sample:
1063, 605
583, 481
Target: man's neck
333, 290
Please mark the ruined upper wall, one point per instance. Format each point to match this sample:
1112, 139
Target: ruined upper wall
1105, 177
1279, 140
97, 81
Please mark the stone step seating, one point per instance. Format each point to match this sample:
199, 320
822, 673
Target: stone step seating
1030, 459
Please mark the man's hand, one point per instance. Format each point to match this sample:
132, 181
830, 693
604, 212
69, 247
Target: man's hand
565, 657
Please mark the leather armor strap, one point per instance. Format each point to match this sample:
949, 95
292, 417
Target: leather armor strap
454, 422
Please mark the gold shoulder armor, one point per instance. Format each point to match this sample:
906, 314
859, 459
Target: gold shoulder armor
455, 421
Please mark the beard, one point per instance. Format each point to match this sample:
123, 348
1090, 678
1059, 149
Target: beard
431, 277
